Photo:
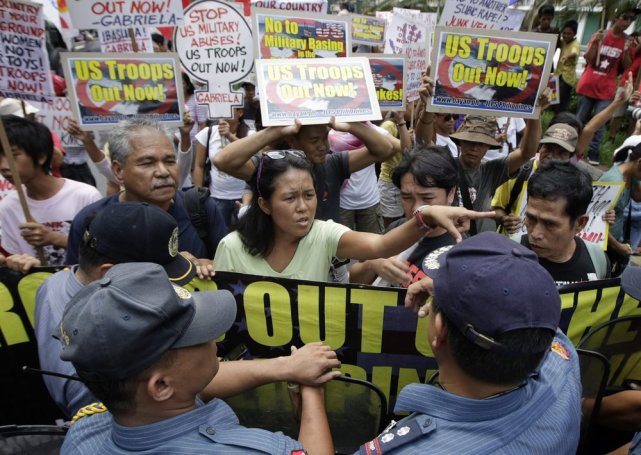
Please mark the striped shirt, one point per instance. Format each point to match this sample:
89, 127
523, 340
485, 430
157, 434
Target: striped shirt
210, 428
541, 417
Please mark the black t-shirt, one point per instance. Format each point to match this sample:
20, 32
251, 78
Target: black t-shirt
425, 246
578, 268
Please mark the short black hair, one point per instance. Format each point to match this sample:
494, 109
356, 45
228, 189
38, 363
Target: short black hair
431, 166
559, 179
32, 137
546, 10
187, 85
572, 24
498, 367
158, 39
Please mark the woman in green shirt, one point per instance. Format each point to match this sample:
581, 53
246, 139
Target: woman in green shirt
566, 69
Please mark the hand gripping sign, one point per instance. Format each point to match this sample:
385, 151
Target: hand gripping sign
215, 47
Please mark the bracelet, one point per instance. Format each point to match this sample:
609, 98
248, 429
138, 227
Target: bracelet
418, 216
401, 124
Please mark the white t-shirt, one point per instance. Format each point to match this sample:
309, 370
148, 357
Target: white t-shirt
447, 142
56, 213
516, 126
360, 191
223, 186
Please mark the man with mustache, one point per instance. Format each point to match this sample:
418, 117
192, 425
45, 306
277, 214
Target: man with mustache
144, 164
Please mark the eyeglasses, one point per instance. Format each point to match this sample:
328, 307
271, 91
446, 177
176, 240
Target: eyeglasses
275, 155
448, 117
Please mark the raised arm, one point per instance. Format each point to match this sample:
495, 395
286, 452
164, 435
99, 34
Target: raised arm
375, 147
199, 165
424, 126
235, 158
314, 431
528, 146
602, 117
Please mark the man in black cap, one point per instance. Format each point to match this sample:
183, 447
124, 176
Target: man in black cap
146, 348
509, 379
135, 232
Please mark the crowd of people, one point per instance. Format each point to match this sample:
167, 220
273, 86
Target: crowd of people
429, 206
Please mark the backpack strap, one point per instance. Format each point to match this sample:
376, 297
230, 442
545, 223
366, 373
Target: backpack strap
196, 205
524, 174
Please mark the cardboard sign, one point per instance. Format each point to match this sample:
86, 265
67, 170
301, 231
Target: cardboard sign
24, 62
311, 6
125, 13
314, 90
118, 40
605, 196
474, 14
554, 92
215, 47
368, 30
512, 20
281, 35
107, 88
490, 72
55, 115
388, 72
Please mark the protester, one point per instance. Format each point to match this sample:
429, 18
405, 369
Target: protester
558, 198
144, 163
508, 132
278, 236
444, 127
390, 196
479, 180
607, 56
159, 42
425, 177
626, 168
146, 348
546, 16
225, 190
52, 201
330, 170
509, 379
134, 232
566, 68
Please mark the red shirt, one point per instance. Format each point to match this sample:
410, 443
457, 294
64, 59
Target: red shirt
600, 82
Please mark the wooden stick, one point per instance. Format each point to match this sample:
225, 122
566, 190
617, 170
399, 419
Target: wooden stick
529, 28
412, 114
134, 43
598, 49
17, 182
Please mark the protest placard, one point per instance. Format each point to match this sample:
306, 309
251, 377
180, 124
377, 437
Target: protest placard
215, 47
314, 90
55, 115
490, 71
428, 19
604, 197
24, 62
119, 40
409, 37
473, 13
311, 6
5, 187
107, 88
125, 13
375, 337
553, 93
368, 30
283, 35
388, 72
512, 20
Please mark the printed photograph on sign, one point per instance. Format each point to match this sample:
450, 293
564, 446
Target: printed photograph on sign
315, 90
553, 87
388, 73
24, 61
108, 88
486, 72
215, 47
283, 35
92, 14
368, 30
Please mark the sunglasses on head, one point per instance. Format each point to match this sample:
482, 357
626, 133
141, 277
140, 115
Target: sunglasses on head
275, 155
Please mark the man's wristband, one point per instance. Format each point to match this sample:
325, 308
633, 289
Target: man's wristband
401, 124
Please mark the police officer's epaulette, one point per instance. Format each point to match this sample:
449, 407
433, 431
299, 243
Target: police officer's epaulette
399, 434
93, 408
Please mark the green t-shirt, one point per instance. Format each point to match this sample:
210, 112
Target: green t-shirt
311, 261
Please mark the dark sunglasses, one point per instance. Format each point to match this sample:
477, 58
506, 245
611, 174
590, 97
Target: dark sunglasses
275, 155
448, 117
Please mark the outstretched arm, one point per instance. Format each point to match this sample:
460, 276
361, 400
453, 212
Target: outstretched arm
314, 431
